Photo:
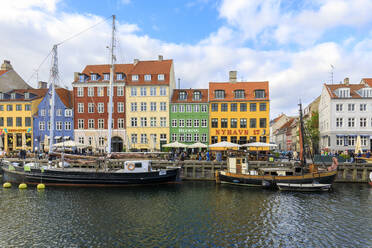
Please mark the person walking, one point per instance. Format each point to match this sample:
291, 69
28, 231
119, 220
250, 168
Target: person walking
208, 156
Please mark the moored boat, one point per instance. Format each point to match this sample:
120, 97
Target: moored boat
370, 179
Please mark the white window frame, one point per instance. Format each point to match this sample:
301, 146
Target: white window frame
121, 123
163, 91
147, 77
90, 91
80, 91
120, 90
153, 91
80, 107
174, 123
101, 107
152, 106
133, 91
68, 125
80, 123
161, 77
90, 123
143, 106
163, 121
135, 77
133, 107
90, 107
152, 121
163, 106
101, 124
143, 91
120, 107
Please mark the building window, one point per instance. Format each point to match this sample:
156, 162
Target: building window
252, 139
243, 107
338, 107
363, 140
189, 108
80, 91
181, 123
174, 137
163, 106
81, 124
152, 121
163, 91
188, 123
143, 106
174, 123
9, 121
19, 121
120, 107
363, 107
13, 96
90, 107
214, 139
27, 107
224, 123
120, 123
81, 140
252, 123
182, 137
67, 125
204, 108
133, 121
134, 138
214, 123
90, 91
108, 91
196, 108
133, 91
252, 107
119, 76
363, 122
262, 122
339, 140
188, 137
351, 122
224, 107
239, 94
204, 137
262, 106
100, 91
259, 93
204, 123
147, 77
101, 123
143, 138
143, 121
143, 91
233, 107
223, 138
135, 77
81, 78
101, 141
182, 95
91, 123
18, 107
161, 77
80, 107
106, 76
153, 91
351, 140
93, 77
68, 112
243, 140
214, 107
2, 107
219, 94
243, 123
234, 139
163, 121
174, 108
59, 125
196, 96
351, 107
233, 123
120, 91
9, 107
28, 121
133, 107
339, 122
196, 123
101, 107
41, 125
42, 112
182, 108
153, 106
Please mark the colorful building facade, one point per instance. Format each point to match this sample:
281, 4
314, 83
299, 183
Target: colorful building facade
189, 116
63, 119
148, 90
17, 108
239, 111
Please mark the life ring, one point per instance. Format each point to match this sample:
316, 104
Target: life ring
131, 166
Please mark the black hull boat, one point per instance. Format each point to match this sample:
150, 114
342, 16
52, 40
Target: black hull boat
131, 175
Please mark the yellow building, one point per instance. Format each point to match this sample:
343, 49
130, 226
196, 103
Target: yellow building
148, 91
17, 108
239, 111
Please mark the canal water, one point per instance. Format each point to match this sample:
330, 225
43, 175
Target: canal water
188, 214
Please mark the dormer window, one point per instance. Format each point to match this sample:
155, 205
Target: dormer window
13, 96
135, 77
219, 94
182, 95
344, 93
119, 76
197, 96
239, 94
259, 93
161, 77
27, 95
147, 77
81, 78
93, 77
106, 76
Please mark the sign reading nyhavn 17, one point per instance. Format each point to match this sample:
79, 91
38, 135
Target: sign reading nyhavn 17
236, 132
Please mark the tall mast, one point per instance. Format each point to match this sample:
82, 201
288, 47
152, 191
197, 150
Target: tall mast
302, 139
112, 69
54, 78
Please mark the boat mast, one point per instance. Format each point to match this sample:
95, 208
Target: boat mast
112, 69
302, 139
54, 78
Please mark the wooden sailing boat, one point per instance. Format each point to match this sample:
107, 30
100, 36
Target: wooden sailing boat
298, 177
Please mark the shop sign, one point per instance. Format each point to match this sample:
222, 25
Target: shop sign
182, 130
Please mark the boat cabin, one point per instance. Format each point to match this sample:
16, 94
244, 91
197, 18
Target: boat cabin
136, 166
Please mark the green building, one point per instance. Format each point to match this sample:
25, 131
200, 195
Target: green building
189, 117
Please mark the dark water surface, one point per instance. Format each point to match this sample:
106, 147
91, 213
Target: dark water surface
190, 214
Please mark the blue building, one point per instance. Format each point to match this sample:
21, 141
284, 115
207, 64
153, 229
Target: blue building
63, 119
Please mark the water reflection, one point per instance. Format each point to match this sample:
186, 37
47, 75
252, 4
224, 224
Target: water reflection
191, 214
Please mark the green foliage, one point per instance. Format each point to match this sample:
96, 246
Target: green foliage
312, 131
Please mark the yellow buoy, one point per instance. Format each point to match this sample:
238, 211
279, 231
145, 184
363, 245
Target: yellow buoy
22, 186
7, 185
41, 186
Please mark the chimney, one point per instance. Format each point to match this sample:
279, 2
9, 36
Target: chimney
346, 81
232, 76
76, 76
135, 62
6, 65
160, 57
42, 85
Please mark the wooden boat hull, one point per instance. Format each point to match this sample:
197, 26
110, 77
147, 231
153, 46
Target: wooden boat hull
271, 181
66, 177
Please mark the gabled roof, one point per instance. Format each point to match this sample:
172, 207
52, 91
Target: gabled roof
353, 88
37, 92
189, 98
287, 124
3, 72
367, 81
230, 87
65, 96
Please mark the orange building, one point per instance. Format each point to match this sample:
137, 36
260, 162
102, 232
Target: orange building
239, 111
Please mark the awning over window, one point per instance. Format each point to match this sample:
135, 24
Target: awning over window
57, 137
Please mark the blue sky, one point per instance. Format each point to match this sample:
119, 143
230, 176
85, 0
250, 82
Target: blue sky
292, 44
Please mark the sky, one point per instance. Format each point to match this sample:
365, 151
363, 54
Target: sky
292, 44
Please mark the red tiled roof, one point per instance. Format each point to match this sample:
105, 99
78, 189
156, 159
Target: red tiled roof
287, 124
38, 92
189, 98
353, 88
367, 81
277, 118
230, 87
3, 72
65, 96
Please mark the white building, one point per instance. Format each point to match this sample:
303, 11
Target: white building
345, 112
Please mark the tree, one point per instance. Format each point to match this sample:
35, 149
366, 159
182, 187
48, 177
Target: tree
312, 132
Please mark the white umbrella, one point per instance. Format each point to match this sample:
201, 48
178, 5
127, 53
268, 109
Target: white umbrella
224, 144
358, 145
259, 144
175, 145
69, 143
197, 145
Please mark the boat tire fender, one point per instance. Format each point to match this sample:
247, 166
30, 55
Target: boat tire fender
131, 166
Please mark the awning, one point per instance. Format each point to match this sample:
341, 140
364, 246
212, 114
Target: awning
57, 137
340, 135
66, 137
